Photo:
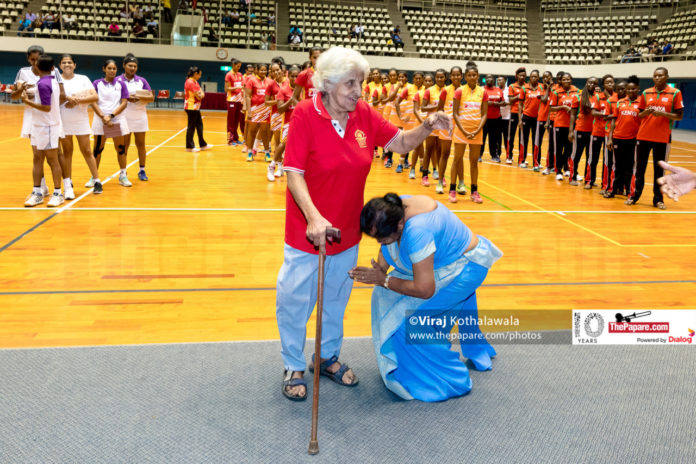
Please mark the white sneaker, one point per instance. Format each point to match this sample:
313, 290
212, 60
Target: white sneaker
123, 180
545, 172
69, 193
523, 165
269, 173
412, 173
33, 200
559, 177
508, 161
194, 150
438, 188
567, 173
461, 188
57, 199
436, 176
279, 170
207, 147
90, 183
580, 178
44, 190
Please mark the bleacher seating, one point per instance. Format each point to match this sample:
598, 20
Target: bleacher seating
316, 21
236, 35
569, 4
679, 29
10, 12
469, 35
592, 39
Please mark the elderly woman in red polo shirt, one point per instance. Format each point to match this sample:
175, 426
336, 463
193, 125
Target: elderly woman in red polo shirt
327, 159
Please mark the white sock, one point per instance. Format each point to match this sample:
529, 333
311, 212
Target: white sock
280, 164
67, 183
272, 165
97, 180
56, 191
37, 190
123, 172
43, 182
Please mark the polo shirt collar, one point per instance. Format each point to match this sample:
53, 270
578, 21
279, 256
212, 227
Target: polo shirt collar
321, 109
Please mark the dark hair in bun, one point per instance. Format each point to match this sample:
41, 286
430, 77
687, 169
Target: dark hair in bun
380, 217
633, 80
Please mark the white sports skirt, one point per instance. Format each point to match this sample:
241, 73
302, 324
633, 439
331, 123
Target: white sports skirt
138, 124
119, 128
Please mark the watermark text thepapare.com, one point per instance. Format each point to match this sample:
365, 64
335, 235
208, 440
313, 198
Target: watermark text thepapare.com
492, 326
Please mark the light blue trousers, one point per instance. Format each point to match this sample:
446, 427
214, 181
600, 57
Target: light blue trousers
296, 296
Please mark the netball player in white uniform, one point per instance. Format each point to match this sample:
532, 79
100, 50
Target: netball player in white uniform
136, 111
109, 121
79, 94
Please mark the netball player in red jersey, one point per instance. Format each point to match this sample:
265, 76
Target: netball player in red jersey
612, 103
622, 136
581, 130
563, 101
235, 100
421, 114
395, 115
543, 120
260, 114
599, 107
278, 82
446, 104
304, 79
286, 104
660, 105
528, 112
603, 100
405, 109
244, 121
429, 104
493, 127
514, 95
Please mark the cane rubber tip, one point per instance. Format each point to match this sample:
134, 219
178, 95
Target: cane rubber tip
313, 448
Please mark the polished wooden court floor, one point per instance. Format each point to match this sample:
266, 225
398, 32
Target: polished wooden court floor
193, 254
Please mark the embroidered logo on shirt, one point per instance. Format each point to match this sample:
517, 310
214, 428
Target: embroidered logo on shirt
360, 138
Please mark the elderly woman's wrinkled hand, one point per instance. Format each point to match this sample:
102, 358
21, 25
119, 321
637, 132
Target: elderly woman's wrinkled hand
439, 121
316, 230
679, 183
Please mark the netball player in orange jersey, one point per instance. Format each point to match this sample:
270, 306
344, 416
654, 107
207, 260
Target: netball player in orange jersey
260, 119
514, 93
303, 83
374, 83
405, 110
528, 113
390, 89
428, 82
599, 108
395, 116
581, 129
622, 136
274, 88
564, 101
446, 104
543, 119
244, 120
286, 104
612, 103
429, 104
604, 100
470, 111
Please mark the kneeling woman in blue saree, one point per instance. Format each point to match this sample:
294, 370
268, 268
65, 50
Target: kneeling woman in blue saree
438, 264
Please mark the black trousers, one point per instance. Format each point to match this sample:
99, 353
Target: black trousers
643, 149
529, 127
493, 129
562, 146
581, 142
596, 146
511, 130
195, 123
624, 155
551, 155
608, 167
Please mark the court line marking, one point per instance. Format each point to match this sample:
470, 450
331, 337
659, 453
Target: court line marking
11, 140
271, 210
361, 287
69, 205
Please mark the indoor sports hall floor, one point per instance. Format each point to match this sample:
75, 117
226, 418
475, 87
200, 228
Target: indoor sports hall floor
193, 254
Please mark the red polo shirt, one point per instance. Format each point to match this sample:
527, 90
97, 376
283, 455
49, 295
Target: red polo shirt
599, 103
531, 98
236, 93
304, 80
658, 128
627, 120
334, 167
514, 90
565, 98
494, 94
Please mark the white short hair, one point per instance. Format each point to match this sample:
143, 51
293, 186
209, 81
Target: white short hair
337, 63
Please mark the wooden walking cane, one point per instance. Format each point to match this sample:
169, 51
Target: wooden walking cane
335, 235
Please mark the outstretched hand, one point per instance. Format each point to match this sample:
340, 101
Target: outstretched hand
439, 121
679, 183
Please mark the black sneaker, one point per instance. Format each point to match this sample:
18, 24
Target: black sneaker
98, 188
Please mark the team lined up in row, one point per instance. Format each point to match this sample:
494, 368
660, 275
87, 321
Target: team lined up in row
616, 121
57, 109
